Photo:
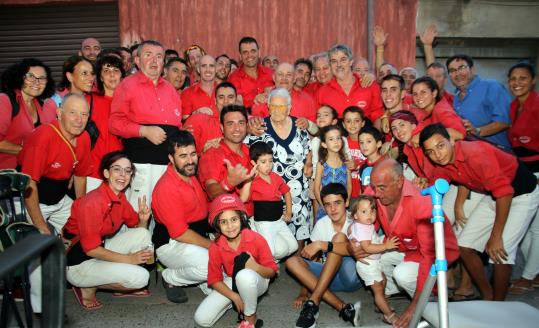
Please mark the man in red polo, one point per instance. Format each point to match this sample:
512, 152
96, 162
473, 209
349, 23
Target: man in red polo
251, 78
180, 208
52, 155
404, 213
144, 110
303, 69
345, 88
303, 104
206, 129
200, 97
225, 168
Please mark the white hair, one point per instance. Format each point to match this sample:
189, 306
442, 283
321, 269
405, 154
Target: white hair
280, 92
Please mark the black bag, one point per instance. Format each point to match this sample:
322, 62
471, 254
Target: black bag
91, 127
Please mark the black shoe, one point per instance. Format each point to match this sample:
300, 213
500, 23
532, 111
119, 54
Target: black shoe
308, 315
175, 294
351, 313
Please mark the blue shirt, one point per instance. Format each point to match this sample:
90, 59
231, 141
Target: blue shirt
486, 101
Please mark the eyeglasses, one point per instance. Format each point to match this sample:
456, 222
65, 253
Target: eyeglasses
459, 69
121, 170
280, 107
33, 79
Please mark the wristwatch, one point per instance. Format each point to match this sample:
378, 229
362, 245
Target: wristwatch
478, 132
330, 247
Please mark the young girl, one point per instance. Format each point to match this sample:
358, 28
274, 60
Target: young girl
325, 116
331, 167
362, 231
353, 121
267, 191
240, 265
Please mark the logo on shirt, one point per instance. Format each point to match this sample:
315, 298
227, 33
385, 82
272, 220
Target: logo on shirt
524, 139
361, 103
176, 112
56, 165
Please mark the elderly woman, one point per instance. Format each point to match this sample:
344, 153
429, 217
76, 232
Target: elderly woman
99, 256
524, 137
290, 148
110, 73
25, 85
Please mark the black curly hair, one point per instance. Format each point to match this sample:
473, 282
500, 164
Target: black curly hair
13, 77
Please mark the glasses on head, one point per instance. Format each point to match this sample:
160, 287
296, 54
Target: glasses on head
121, 170
33, 79
279, 107
459, 69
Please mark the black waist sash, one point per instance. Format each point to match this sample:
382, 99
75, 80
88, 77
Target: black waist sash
142, 151
161, 237
75, 254
524, 181
268, 210
51, 191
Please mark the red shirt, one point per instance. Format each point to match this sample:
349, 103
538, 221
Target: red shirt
137, 101
212, 166
359, 159
312, 88
411, 224
204, 128
367, 98
524, 132
176, 203
408, 99
419, 163
481, 167
221, 255
16, 130
448, 97
264, 191
249, 87
444, 113
303, 105
98, 214
195, 97
106, 142
45, 154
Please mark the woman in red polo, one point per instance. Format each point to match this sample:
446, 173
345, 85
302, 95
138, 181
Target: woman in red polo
25, 85
99, 256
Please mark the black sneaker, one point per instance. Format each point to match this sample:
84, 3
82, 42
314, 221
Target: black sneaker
308, 315
175, 294
351, 313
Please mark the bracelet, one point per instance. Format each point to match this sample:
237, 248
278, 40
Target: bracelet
330, 247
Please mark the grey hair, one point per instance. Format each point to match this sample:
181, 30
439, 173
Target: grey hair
316, 57
342, 48
408, 69
438, 65
148, 43
392, 68
72, 95
280, 92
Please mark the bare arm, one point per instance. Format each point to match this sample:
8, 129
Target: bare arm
288, 206
80, 186
427, 38
245, 191
9, 147
348, 186
318, 182
32, 206
494, 247
223, 289
379, 37
262, 270
103, 254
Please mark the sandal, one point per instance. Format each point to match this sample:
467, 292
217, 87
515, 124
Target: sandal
94, 305
137, 293
391, 319
456, 297
516, 289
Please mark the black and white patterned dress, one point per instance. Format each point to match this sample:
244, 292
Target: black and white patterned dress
289, 157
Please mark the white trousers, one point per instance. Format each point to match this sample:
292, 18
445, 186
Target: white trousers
400, 274
187, 264
448, 205
143, 183
94, 272
56, 215
281, 241
530, 248
250, 285
476, 232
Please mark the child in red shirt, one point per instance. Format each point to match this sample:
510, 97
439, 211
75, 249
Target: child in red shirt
240, 264
267, 191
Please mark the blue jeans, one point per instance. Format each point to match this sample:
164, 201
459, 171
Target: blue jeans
345, 280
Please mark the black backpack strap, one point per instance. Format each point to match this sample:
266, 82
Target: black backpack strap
14, 105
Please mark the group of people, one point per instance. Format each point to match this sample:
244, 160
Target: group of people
220, 174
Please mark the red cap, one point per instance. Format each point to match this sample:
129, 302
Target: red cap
222, 203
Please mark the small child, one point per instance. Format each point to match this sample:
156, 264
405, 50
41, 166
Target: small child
370, 141
362, 231
331, 167
243, 256
266, 191
353, 121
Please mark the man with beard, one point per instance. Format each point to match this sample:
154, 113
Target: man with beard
251, 78
180, 207
90, 49
223, 67
176, 73
200, 97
